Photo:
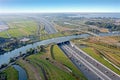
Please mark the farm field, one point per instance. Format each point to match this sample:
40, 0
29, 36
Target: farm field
19, 28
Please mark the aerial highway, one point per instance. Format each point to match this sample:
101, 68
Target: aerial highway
91, 68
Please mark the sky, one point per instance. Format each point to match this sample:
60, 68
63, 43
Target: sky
59, 6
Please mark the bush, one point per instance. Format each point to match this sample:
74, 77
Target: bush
3, 66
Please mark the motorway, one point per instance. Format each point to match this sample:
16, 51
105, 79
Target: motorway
48, 26
91, 68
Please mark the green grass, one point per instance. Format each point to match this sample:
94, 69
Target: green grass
53, 71
23, 29
52, 67
11, 73
55, 35
98, 57
62, 58
44, 37
3, 34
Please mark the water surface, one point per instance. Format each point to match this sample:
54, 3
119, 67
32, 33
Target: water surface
21, 72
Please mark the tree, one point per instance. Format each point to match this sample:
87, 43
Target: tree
3, 65
11, 60
42, 48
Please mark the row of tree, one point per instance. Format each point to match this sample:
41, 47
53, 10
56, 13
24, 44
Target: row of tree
110, 26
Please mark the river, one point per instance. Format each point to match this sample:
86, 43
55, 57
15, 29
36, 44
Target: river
6, 56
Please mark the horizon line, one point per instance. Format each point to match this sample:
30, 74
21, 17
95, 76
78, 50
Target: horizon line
53, 12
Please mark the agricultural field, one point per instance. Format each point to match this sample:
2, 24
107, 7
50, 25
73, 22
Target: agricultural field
99, 48
44, 66
24, 27
19, 28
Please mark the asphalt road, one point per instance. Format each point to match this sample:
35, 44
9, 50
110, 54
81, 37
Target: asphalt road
91, 68
48, 26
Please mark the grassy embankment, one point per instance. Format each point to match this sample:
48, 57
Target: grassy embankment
51, 69
62, 58
11, 73
99, 51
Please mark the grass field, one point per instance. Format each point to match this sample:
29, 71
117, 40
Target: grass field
58, 34
20, 28
3, 34
48, 36
47, 68
11, 73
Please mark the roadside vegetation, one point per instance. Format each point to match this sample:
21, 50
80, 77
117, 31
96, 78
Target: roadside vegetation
62, 58
102, 51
